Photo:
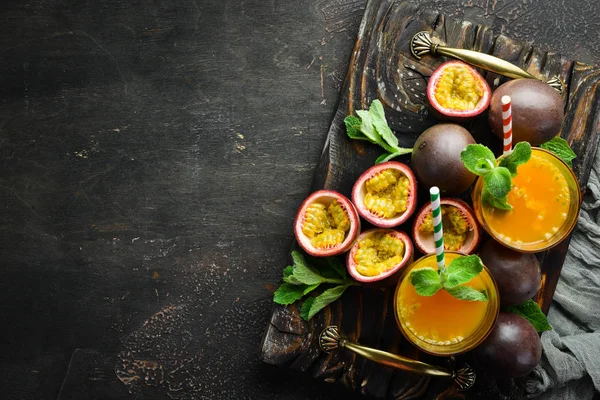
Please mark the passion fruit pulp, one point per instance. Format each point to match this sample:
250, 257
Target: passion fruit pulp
326, 224
457, 91
386, 194
378, 256
460, 229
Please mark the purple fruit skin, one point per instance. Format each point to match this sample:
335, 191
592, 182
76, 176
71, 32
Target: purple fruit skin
537, 111
436, 158
517, 275
512, 349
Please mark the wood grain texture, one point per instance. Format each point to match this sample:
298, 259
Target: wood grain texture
381, 66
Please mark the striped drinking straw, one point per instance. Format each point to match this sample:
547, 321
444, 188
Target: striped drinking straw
436, 213
507, 125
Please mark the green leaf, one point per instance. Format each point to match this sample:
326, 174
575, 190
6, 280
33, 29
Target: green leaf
324, 299
531, 311
336, 265
288, 293
520, 155
467, 293
310, 288
478, 159
366, 126
287, 271
353, 129
426, 281
303, 272
462, 270
305, 309
380, 124
561, 148
500, 203
498, 182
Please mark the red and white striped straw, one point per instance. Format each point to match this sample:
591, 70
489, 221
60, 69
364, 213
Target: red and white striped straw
507, 125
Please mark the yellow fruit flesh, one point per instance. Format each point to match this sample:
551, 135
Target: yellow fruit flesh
378, 253
454, 224
326, 226
387, 193
458, 89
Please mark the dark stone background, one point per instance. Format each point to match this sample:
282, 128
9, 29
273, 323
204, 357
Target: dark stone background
153, 154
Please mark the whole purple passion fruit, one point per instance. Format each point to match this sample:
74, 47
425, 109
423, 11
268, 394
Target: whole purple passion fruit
537, 111
512, 349
436, 158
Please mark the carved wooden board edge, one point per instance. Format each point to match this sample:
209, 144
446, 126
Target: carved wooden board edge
381, 67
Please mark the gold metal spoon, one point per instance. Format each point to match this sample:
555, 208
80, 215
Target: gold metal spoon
421, 44
330, 340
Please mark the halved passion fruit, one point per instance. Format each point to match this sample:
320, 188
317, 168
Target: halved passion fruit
378, 256
457, 91
386, 194
460, 228
326, 224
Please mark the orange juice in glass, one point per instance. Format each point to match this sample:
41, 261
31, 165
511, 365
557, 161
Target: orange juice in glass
545, 198
443, 325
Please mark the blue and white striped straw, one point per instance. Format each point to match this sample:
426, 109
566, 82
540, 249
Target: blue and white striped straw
436, 213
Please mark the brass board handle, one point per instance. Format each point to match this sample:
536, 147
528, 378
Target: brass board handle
421, 44
330, 339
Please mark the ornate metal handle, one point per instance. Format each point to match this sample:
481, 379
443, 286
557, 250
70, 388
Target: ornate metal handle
330, 340
421, 44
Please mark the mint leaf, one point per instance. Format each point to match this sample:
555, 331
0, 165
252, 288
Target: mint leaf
309, 288
426, 281
478, 159
287, 271
500, 203
335, 264
561, 148
321, 301
380, 124
462, 270
353, 129
303, 272
531, 311
305, 309
520, 155
498, 182
288, 293
467, 293
366, 126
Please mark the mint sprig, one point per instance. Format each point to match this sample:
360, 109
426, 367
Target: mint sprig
561, 148
303, 277
497, 175
372, 126
461, 270
532, 312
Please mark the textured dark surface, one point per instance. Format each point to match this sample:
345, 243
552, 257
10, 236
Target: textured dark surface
153, 155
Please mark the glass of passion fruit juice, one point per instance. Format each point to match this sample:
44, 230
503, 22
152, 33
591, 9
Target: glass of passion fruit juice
545, 198
441, 324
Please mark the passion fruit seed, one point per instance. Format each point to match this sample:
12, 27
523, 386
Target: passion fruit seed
387, 193
378, 253
326, 226
458, 89
455, 227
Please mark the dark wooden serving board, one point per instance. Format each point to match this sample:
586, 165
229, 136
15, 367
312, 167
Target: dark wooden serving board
381, 66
